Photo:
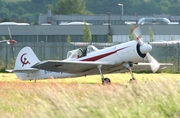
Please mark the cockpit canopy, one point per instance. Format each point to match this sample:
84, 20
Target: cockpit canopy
91, 48
77, 53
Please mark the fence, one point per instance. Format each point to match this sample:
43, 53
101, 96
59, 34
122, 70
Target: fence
162, 53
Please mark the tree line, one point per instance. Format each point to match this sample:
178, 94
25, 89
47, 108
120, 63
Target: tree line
30, 10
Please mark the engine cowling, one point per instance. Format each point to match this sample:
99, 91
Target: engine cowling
133, 52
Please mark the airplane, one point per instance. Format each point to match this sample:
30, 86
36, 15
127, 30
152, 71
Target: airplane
10, 41
123, 57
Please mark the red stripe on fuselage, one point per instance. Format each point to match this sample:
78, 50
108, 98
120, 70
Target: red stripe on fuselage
95, 58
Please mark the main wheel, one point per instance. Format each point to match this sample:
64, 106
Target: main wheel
107, 81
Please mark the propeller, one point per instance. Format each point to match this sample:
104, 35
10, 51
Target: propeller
10, 41
144, 48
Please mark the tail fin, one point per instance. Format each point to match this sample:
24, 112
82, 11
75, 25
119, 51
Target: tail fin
25, 59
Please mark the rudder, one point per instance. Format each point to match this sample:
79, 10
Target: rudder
25, 59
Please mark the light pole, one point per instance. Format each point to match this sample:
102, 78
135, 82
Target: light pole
121, 6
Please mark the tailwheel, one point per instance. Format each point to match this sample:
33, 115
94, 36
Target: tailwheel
107, 81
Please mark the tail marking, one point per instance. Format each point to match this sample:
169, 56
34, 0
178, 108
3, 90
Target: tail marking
24, 60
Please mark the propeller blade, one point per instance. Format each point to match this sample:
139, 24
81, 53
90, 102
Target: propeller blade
137, 34
9, 33
153, 63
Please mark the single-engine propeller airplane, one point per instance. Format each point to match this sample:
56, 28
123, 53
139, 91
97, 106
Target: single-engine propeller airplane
82, 62
10, 41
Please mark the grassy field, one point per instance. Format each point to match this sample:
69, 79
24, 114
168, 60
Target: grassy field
151, 96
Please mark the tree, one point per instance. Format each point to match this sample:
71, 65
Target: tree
3, 38
71, 7
109, 39
68, 39
37, 1
172, 38
20, 11
14, 15
2, 4
87, 33
151, 35
164, 5
6, 20
174, 9
148, 8
131, 36
29, 17
4, 14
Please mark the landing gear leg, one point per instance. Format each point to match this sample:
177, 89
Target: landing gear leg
104, 80
131, 74
100, 71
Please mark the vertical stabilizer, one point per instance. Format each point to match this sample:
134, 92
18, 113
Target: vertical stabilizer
25, 59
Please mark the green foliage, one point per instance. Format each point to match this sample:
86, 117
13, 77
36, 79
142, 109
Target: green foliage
6, 20
9, 1
148, 7
164, 5
68, 39
174, 9
151, 34
14, 15
2, 4
18, 8
37, 1
172, 38
87, 33
109, 39
131, 36
36, 23
71, 7
28, 17
3, 38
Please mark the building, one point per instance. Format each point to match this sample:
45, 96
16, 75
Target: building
56, 28
103, 19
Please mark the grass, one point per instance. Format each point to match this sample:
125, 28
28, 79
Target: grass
151, 96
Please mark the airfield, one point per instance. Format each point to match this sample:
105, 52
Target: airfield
151, 95
117, 78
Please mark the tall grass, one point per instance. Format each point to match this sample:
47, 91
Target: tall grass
149, 99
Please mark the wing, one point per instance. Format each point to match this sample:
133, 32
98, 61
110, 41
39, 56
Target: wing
69, 66
146, 66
